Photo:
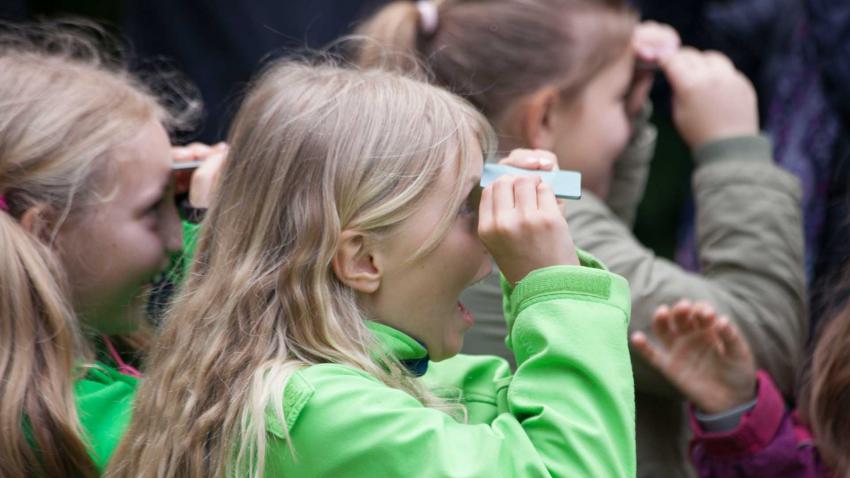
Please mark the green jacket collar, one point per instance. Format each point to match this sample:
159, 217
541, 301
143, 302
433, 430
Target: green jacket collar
410, 352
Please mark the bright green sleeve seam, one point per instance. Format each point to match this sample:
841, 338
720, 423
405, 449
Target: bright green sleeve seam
571, 295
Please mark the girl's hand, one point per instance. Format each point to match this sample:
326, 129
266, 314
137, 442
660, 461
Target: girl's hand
199, 183
652, 43
711, 99
522, 226
703, 355
534, 159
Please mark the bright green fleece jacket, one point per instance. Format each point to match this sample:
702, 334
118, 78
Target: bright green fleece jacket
104, 398
568, 411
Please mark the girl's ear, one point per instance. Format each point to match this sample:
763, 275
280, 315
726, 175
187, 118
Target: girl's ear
536, 119
36, 221
355, 264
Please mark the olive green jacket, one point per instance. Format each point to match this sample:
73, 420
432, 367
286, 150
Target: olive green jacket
749, 226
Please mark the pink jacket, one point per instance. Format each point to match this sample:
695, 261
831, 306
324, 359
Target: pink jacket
769, 441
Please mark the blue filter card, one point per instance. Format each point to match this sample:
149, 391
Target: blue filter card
566, 184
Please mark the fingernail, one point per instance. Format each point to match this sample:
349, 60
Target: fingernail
546, 162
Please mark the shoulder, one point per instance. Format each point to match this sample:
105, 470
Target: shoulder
329, 394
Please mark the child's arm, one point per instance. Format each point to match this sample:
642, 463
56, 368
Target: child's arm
742, 428
631, 170
652, 42
570, 405
749, 225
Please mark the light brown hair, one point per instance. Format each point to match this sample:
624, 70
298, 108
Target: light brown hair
314, 150
63, 110
495, 51
825, 397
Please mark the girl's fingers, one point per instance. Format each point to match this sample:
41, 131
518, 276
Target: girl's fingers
503, 195
682, 320
680, 67
641, 87
546, 200
485, 210
682, 307
661, 326
180, 153
733, 342
649, 352
715, 59
525, 195
536, 159
548, 160
701, 309
705, 321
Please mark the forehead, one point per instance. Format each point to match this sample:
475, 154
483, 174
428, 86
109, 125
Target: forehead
143, 164
450, 174
619, 71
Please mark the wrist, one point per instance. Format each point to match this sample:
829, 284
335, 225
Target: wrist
725, 400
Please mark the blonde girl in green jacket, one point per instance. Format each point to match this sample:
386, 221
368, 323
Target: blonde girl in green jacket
327, 275
86, 223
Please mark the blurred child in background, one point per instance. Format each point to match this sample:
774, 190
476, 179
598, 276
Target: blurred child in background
570, 76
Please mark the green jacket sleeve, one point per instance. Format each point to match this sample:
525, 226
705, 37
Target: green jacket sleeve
569, 406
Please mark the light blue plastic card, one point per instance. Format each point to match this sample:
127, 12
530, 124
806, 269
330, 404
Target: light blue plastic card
566, 184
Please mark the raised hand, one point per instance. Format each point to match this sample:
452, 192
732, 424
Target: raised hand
702, 354
711, 99
653, 43
534, 159
523, 227
199, 183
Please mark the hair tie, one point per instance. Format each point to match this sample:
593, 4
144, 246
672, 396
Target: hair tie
428, 16
4, 206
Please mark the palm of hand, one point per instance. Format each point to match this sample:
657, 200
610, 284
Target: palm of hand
712, 378
704, 356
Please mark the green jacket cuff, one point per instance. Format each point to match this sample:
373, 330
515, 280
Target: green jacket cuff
589, 281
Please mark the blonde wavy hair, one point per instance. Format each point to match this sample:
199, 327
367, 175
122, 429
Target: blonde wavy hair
63, 110
314, 150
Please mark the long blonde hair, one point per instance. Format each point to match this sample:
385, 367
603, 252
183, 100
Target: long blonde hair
62, 111
495, 51
315, 150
